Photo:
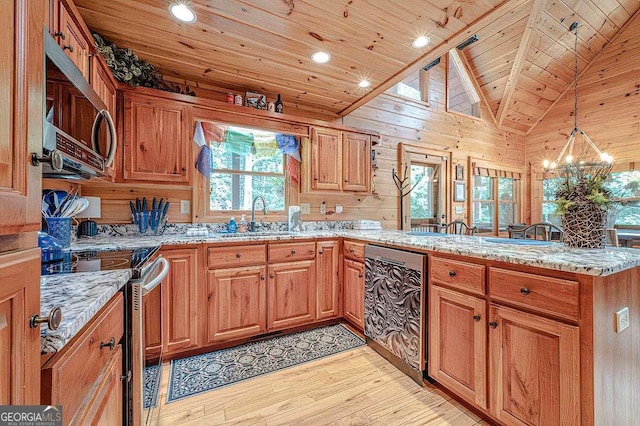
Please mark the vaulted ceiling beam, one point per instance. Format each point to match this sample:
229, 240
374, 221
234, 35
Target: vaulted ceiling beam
521, 54
439, 50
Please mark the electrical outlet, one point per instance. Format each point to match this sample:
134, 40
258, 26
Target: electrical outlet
185, 206
305, 208
323, 208
338, 208
622, 319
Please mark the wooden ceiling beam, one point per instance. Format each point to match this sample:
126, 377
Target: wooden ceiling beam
635, 16
467, 67
439, 50
521, 55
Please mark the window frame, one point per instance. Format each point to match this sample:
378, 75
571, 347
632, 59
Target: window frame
200, 212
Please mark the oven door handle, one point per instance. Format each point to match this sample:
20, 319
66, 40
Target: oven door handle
158, 279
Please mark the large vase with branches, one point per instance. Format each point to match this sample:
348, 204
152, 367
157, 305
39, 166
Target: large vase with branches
584, 201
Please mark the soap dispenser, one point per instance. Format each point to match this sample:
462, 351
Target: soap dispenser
242, 226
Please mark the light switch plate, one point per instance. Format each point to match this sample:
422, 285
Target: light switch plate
185, 206
323, 208
622, 319
305, 208
338, 208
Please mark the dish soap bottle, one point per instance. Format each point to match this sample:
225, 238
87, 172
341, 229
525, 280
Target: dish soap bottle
232, 228
242, 226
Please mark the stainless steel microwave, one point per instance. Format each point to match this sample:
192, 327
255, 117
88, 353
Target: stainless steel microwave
80, 138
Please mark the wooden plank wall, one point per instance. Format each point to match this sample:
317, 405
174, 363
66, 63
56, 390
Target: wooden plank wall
608, 111
401, 120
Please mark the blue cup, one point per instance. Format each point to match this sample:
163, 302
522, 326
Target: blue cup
60, 228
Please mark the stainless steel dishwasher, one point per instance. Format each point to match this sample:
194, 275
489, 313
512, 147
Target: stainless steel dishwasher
395, 307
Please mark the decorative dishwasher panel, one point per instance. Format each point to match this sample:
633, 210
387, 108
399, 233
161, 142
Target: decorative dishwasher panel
394, 303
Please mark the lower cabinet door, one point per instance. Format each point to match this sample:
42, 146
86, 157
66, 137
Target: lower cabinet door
457, 342
237, 303
152, 314
353, 292
292, 294
106, 406
180, 301
327, 280
534, 369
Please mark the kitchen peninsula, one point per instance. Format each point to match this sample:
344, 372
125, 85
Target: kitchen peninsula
559, 297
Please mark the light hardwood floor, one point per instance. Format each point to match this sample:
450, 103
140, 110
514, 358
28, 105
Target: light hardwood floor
357, 387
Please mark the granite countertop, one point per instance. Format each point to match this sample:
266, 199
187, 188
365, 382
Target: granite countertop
80, 296
555, 256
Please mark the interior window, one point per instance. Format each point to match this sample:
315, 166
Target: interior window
246, 163
461, 93
415, 86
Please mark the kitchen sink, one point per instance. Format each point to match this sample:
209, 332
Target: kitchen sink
255, 234
518, 242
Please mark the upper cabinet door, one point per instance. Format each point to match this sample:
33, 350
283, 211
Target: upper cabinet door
325, 161
21, 114
73, 42
356, 162
155, 143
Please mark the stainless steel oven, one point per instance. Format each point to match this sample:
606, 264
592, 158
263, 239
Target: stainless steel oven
141, 284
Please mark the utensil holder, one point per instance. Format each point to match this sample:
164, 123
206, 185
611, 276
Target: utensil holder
142, 220
158, 227
60, 228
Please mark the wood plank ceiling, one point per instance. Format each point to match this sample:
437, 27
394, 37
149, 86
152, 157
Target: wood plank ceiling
523, 59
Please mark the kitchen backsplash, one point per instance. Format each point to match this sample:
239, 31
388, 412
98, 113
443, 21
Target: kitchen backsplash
181, 228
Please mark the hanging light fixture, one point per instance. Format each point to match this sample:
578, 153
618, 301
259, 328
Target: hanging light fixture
568, 160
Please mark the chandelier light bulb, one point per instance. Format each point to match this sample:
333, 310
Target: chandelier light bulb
545, 164
606, 157
569, 159
553, 165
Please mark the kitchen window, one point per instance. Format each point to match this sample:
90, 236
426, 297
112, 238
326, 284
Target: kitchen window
495, 199
245, 163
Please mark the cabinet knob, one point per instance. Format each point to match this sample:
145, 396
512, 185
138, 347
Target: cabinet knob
272, 276
52, 320
59, 34
359, 275
238, 255
321, 252
476, 318
68, 47
293, 252
126, 377
346, 181
452, 274
525, 291
184, 169
54, 158
493, 324
110, 344
142, 147
351, 251
262, 277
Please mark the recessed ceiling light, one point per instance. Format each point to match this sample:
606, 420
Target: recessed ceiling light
364, 83
182, 12
421, 41
320, 57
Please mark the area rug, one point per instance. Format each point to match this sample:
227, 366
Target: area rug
202, 373
151, 384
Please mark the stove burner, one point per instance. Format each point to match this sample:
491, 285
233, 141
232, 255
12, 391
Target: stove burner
92, 260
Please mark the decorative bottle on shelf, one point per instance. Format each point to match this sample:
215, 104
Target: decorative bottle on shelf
279, 104
232, 228
242, 225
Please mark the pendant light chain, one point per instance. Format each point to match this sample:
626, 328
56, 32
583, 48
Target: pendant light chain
575, 76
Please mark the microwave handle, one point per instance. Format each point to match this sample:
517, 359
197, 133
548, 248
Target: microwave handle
161, 276
104, 115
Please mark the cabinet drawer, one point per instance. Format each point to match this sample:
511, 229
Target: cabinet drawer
69, 378
353, 251
291, 252
462, 275
546, 294
230, 257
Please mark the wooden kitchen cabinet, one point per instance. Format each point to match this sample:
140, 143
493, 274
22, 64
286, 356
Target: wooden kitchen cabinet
353, 293
328, 280
356, 162
180, 301
104, 84
71, 38
534, 369
339, 161
236, 303
292, 294
156, 145
458, 338
171, 311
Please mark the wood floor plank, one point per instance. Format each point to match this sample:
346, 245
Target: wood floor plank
356, 387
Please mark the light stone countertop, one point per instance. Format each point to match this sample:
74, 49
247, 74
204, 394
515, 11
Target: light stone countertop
556, 256
80, 296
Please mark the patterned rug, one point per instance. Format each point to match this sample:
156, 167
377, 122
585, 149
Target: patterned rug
152, 377
202, 373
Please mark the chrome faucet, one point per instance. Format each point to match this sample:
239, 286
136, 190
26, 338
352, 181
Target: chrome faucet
252, 224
